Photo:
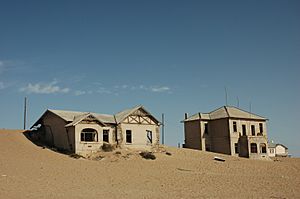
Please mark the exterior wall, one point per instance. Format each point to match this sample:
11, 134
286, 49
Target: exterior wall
219, 134
82, 147
192, 135
280, 150
139, 135
244, 143
55, 132
271, 151
71, 138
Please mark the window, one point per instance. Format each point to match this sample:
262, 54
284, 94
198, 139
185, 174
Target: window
253, 148
271, 150
263, 148
234, 127
89, 135
253, 130
236, 148
244, 129
261, 128
105, 135
149, 136
206, 128
128, 136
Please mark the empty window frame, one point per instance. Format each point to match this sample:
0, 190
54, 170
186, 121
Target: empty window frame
89, 135
149, 136
236, 148
244, 129
206, 128
261, 128
105, 135
253, 130
128, 136
263, 148
253, 147
234, 127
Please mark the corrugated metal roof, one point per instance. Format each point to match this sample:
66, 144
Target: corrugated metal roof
225, 112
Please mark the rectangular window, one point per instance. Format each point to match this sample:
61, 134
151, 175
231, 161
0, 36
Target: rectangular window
105, 135
253, 147
236, 148
206, 128
128, 136
149, 136
261, 129
88, 135
253, 130
244, 129
234, 127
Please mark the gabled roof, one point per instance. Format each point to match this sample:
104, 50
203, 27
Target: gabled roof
124, 114
225, 112
281, 145
74, 117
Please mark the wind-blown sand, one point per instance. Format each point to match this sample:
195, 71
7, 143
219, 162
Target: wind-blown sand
29, 171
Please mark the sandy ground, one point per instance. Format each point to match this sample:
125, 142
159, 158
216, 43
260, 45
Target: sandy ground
29, 171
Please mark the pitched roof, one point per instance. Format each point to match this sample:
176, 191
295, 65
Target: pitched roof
74, 117
225, 112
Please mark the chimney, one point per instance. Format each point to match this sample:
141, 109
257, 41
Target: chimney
185, 116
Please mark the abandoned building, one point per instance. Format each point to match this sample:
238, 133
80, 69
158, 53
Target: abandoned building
83, 132
228, 130
277, 150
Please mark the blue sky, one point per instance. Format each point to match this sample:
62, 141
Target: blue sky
170, 56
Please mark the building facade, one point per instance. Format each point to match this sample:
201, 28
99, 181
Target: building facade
277, 150
84, 132
227, 130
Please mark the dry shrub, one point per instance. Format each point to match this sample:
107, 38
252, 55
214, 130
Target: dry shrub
76, 156
148, 155
106, 147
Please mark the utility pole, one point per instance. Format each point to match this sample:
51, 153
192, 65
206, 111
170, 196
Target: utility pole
226, 96
25, 112
238, 102
163, 129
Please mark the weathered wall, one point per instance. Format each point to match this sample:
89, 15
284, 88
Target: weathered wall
55, 131
192, 135
83, 147
281, 151
139, 135
220, 140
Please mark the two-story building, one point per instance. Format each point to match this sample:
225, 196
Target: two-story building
228, 130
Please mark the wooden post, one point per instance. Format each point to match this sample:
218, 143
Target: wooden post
163, 129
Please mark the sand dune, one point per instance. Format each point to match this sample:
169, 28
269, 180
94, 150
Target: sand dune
29, 171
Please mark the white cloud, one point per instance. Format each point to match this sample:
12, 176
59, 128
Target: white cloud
77, 93
42, 88
160, 89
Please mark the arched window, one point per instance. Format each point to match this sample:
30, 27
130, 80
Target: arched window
253, 148
89, 135
263, 148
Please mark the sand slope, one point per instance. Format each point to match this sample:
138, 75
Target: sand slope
29, 171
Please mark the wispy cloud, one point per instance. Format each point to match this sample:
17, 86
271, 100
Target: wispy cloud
44, 88
160, 89
81, 92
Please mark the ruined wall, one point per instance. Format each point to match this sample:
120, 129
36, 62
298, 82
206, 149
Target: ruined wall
192, 135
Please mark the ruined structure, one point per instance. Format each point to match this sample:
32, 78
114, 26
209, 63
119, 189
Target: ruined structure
227, 130
84, 132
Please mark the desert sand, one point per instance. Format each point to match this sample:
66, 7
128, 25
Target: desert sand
30, 171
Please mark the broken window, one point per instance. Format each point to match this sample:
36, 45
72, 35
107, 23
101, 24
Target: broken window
253, 148
149, 136
263, 148
206, 128
234, 127
244, 129
236, 148
261, 128
105, 135
253, 130
89, 135
128, 136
